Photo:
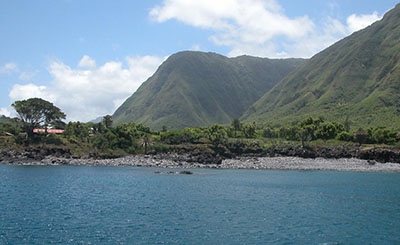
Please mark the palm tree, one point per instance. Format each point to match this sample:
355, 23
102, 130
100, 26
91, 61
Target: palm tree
146, 141
236, 126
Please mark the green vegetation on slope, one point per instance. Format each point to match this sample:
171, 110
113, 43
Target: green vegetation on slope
358, 77
192, 89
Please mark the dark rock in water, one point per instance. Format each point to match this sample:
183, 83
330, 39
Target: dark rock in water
186, 172
173, 172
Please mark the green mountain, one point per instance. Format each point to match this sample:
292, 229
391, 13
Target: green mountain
192, 89
358, 77
4, 119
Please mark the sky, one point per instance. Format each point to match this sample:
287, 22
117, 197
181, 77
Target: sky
88, 56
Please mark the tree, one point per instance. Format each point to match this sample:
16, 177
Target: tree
361, 136
346, 124
127, 135
305, 133
310, 125
329, 130
289, 132
269, 132
249, 130
146, 141
345, 136
383, 136
236, 125
217, 134
36, 112
108, 121
78, 130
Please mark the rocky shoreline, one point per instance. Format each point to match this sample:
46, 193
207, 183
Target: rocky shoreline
184, 161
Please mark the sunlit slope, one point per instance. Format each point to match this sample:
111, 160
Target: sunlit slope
192, 89
358, 77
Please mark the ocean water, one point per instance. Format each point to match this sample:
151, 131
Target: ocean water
131, 205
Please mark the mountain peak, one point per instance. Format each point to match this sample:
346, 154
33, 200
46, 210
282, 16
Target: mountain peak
192, 89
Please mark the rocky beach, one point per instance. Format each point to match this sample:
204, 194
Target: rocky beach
186, 162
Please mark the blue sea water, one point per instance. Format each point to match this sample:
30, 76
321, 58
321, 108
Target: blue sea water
131, 205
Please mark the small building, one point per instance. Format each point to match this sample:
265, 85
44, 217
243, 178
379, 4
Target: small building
49, 131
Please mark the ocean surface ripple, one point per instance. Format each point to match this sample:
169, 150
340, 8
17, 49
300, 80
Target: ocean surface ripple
137, 205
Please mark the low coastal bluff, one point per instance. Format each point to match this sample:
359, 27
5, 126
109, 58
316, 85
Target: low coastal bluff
378, 154
290, 158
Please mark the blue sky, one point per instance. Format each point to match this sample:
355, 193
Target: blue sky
87, 56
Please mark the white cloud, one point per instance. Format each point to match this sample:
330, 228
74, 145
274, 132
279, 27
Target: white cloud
27, 75
330, 31
358, 22
87, 62
247, 26
12, 68
87, 92
195, 47
8, 68
29, 91
259, 27
5, 111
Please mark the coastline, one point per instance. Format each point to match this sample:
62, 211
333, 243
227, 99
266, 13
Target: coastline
184, 162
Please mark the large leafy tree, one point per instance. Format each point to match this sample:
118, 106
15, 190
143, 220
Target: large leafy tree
36, 112
217, 134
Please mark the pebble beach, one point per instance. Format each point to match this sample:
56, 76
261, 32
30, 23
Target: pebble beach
267, 163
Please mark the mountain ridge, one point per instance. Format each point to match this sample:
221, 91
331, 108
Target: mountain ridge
193, 89
354, 78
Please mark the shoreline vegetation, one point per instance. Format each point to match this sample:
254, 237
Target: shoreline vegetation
38, 136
